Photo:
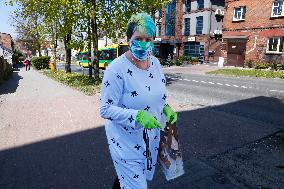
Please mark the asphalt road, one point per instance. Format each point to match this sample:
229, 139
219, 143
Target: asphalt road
236, 125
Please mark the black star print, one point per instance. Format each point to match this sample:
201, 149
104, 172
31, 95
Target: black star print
122, 176
130, 72
147, 108
131, 119
118, 76
148, 87
109, 101
149, 168
164, 97
107, 84
132, 128
155, 165
115, 161
110, 119
163, 80
136, 176
125, 128
155, 117
152, 63
113, 140
144, 153
151, 75
137, 147
134, 93
123, 105
156, 137
156, 148
117, 144
123, 160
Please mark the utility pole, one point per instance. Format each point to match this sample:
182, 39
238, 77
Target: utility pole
209, 40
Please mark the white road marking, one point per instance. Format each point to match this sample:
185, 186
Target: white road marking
203, 82
276, 91
211, 83
187, 80
228, 85
195, 81
219, 84
180, 79
244, 87
235, 85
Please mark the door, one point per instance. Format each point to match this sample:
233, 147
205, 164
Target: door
236, 53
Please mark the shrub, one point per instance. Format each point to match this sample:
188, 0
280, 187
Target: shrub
249, 64
273, 65
41, 62
178, 61
262, 66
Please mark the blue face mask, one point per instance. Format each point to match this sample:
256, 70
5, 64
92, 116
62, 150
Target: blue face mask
141, 49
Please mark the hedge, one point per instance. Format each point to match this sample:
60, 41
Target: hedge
41, 62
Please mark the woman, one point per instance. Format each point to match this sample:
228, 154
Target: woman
133, 102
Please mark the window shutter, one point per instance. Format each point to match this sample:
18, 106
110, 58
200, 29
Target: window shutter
244, 13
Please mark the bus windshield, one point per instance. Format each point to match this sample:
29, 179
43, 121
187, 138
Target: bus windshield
82, 55
107, 54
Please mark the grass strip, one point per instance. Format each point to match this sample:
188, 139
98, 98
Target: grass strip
75, 80
251, 73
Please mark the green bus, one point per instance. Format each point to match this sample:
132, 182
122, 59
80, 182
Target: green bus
106, 55
109, 53
83, 59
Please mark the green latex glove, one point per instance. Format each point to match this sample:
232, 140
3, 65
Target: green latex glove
171, 116
147, 120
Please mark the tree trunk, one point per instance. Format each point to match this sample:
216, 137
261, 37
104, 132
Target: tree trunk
90, 48
67, 40
95, 62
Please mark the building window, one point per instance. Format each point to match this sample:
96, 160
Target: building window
187, 5
193, 49
170, 18
187, 26
200, 4
277, 9
199, 25
239, 13
274, 45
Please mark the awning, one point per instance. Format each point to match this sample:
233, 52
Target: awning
168, 41
235, 35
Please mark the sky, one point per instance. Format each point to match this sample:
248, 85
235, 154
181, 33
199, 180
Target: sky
5, 14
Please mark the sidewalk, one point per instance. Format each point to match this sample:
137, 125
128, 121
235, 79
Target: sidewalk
199, 69
52, 136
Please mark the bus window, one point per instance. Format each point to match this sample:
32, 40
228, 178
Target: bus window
107, 54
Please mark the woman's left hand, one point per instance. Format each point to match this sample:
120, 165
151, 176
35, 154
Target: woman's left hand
171, 116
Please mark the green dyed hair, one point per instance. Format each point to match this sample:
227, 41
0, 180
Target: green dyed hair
141, 22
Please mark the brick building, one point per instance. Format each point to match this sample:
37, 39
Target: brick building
253, 30
6, 40
187, 27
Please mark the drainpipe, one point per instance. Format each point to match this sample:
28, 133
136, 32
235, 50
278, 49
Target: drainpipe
209, 40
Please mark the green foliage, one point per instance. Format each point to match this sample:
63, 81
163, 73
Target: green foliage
41, 62
273, 65
262, 66
75, 80
252, 73
249, 64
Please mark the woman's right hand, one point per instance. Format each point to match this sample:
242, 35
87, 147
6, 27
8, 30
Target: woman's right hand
147, 121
